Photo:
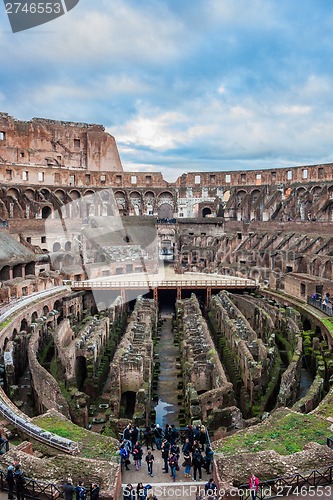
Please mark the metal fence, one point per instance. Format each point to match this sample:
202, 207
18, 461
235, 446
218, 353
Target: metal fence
312, 483
327, 308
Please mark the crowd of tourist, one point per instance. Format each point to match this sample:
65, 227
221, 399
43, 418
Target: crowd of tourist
188, 457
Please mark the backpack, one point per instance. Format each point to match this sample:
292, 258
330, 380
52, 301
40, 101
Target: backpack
19, 478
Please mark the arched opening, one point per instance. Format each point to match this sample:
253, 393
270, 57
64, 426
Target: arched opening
60, 194
318, 333
68, 246
127, 404
206, 211
327, 274
30, 193
101, 258
56, 246
316, 267
46, 193
46, 212
24, 325
17, 271
45, 310
165, 211
13, 192
306, 325
34, 317
80, 371
75, 195
5, 273
30, 268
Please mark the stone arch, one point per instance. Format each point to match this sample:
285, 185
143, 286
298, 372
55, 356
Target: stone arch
327, 271
68, 246
101, 257
30, 268
46, 193
56, 247
13, 192
5, 273
306, 324
30, 193
88, 192
60, 193
34, 317
120, 197
46, 212
17, 271
165, 197
75, 194
206, 211
149, 195
316, 267
255, 193
302, 265
24, 325
46, 310
300, 191
240, 195
165, 211
316, 191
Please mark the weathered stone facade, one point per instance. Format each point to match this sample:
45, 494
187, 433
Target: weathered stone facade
132, 365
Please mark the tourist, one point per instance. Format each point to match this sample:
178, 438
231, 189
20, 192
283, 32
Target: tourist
211, 488
150, 461
140, 491
129, 492
167, 433
10, 482
187, 464
19, 482
137, 456
189, 433
173, 462
197, 462
124, 456
148, 437
187, 446
151, 495
254, 485
134, 434
165, 454
174, 434
4, 444
175, 449
203, 437
209, 459
94, 494
158, 436
127, 437
80, 491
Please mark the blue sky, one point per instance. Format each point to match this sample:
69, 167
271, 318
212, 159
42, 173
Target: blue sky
183, 85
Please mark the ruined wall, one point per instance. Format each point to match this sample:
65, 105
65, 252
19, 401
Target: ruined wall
253, 360
206, 385
47, 392
131, 368
54, 143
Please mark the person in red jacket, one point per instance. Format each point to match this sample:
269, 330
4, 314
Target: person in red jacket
254, 485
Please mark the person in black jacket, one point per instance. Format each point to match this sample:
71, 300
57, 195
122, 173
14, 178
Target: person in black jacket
94, 495
19, 482
197, 461
68, 489
10, 481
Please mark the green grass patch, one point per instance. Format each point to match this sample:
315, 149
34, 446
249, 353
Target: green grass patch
284, 432
92, 445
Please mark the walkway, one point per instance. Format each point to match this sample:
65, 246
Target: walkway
167, 407
14, 306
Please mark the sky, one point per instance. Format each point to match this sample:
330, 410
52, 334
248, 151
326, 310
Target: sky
183, 85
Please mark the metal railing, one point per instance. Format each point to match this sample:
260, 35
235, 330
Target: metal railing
297, 484
327, 308
35, 489
222, 283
